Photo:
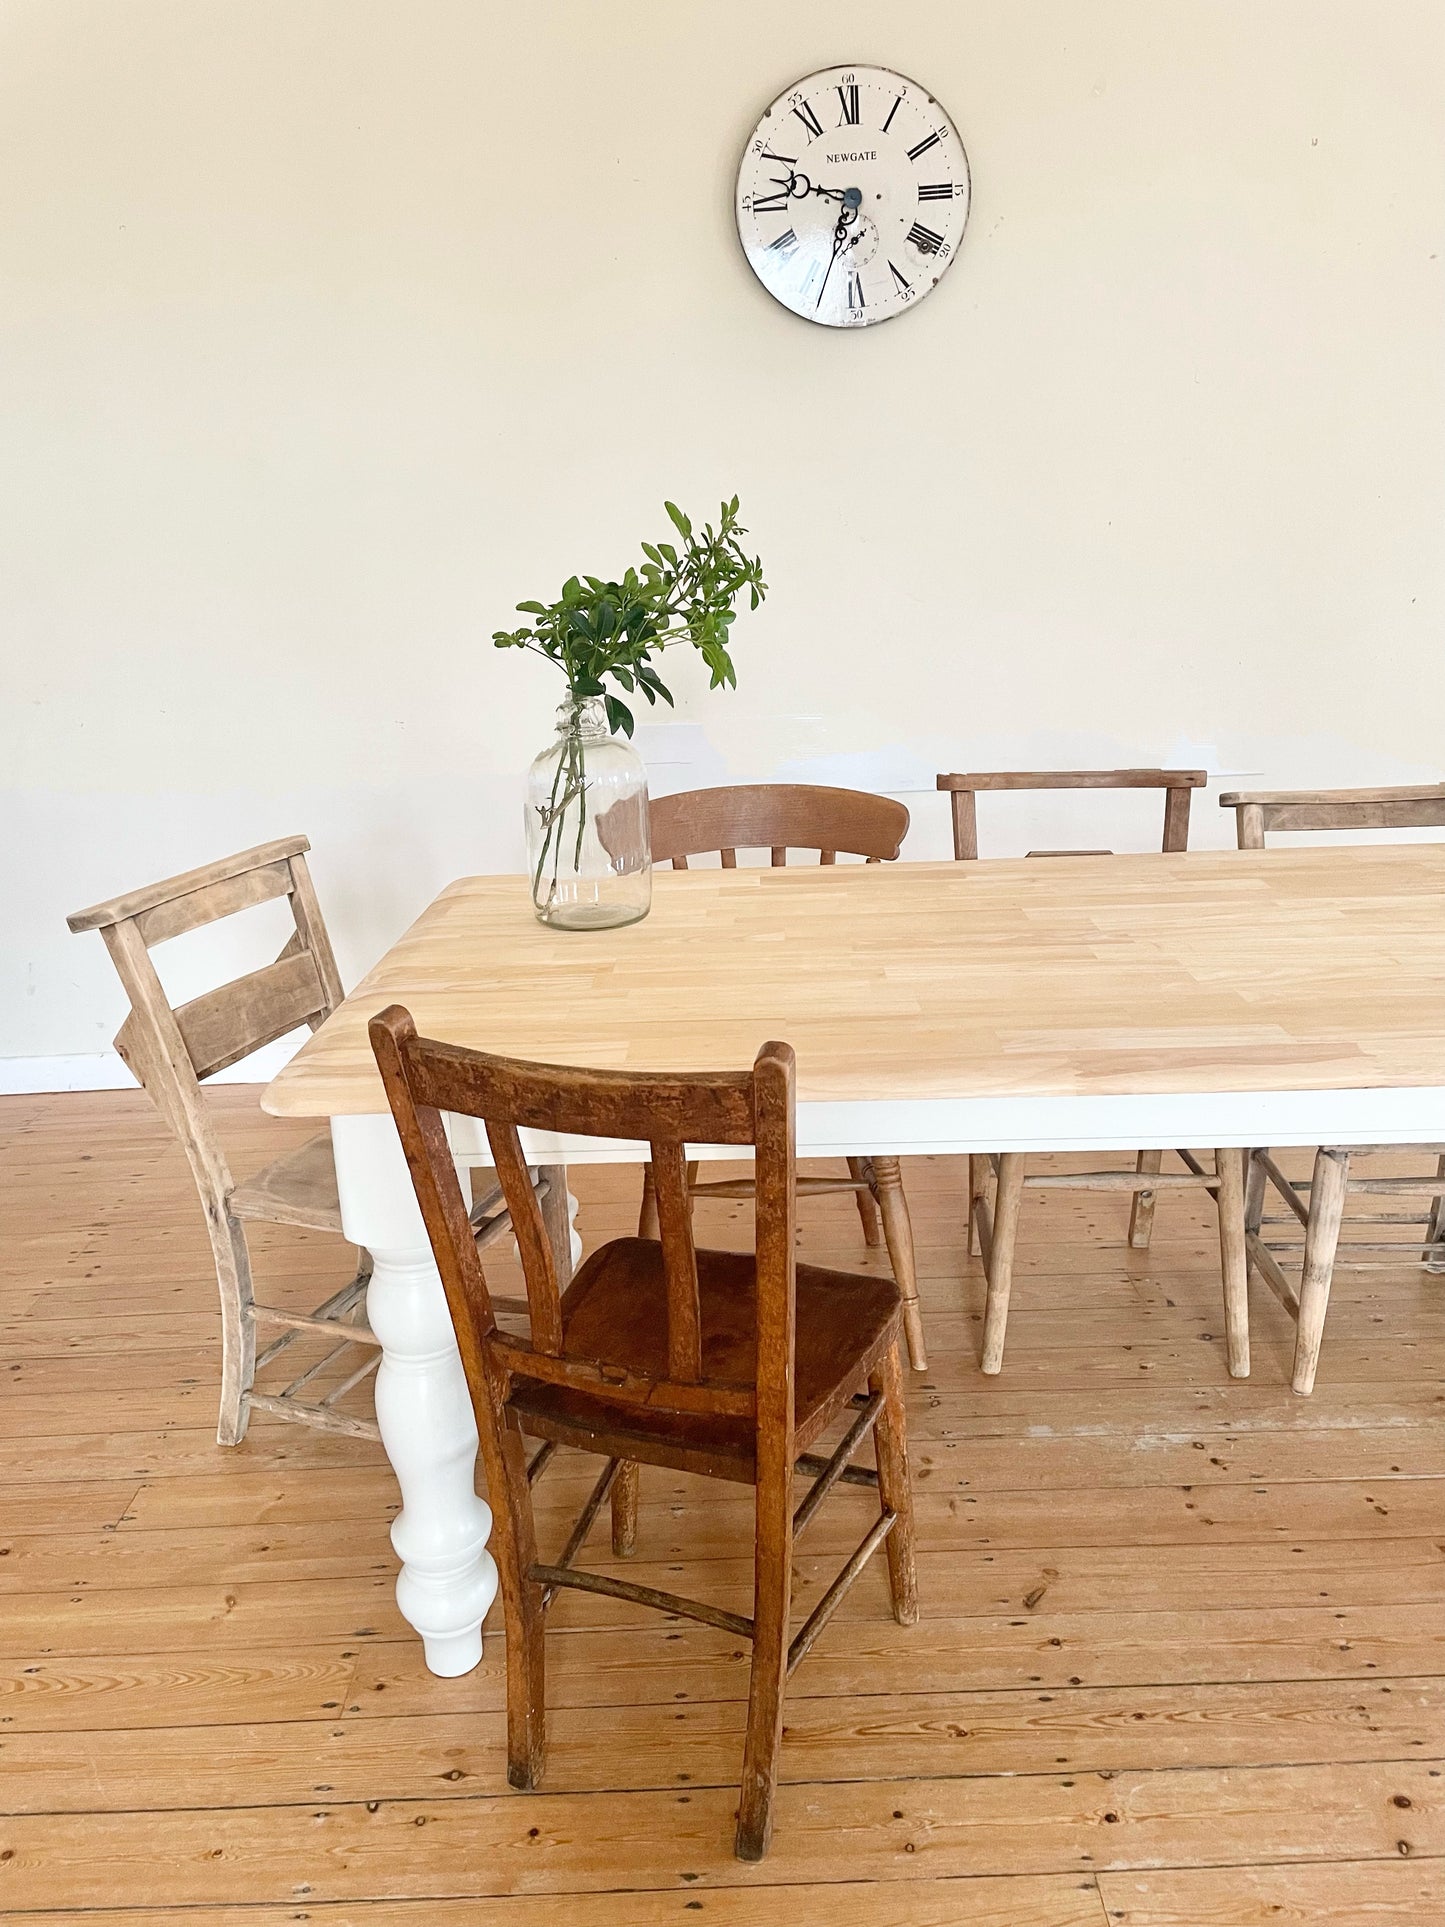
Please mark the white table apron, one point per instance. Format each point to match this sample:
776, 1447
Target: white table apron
448, 1579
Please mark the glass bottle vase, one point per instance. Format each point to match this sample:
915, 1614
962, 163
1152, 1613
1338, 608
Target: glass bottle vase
587, 840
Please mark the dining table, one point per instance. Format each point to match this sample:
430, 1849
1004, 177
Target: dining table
1093, 1003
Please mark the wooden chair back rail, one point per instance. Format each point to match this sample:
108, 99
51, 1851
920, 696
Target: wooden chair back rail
776, 817
964, 788
172, 1050
711, 1107
193, 884
225, 1025
1411, 807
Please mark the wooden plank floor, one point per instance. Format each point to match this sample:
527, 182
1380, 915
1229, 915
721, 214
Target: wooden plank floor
1181, 1661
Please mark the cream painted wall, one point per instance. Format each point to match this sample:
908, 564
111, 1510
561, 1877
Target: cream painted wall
331, 328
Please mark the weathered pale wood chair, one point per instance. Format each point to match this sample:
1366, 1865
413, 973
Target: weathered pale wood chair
725, 1364
778, 817
171, 1051
1316, 1208
994, 1227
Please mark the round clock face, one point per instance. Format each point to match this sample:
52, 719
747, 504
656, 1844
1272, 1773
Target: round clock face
852, 196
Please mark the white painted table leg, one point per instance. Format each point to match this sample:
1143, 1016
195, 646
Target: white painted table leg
448, 1579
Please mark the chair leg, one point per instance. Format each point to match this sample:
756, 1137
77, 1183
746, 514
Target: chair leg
977, 1193
647, 1223
1007, 1200
867, 1203
1141, 1212
772, 1604
1435, 1230
238, 1327
1233, 1259
1322, 1235
890, 1449
1255, 1183
898, 1231
515, 1548
624, 1510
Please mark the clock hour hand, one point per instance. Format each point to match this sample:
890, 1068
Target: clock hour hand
798, 187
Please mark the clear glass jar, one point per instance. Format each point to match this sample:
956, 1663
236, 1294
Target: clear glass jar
587, 838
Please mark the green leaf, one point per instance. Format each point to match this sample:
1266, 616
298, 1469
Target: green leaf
619, 716
678, 520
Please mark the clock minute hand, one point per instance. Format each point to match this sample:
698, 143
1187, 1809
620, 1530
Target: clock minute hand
840, 235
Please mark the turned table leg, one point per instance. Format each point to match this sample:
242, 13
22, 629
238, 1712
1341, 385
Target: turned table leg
448, 1579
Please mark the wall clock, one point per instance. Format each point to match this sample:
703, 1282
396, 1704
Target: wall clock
852, 196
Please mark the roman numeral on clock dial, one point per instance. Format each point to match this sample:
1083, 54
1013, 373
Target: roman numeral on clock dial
937, 191
929, 140
770, 203
900, 282
924, 238
786, 244
855, 293
810, 120
848, 100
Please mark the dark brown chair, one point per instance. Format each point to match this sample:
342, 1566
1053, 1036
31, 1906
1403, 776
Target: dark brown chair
995, 1228
778, 817
719, 1363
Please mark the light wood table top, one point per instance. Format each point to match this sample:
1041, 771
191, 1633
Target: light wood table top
1240, 971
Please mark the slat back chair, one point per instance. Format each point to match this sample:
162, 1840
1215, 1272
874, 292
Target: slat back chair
725, 1364
1316, 1229
172, 1050
993, 1227
1178, 786
779, 817
776, 817
1412, 807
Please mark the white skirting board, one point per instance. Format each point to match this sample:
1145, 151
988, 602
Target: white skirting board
104, 1071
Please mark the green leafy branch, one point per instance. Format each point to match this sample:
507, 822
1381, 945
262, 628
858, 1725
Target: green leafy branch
598, 632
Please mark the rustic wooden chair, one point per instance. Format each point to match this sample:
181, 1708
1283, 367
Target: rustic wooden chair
779, 817
994, 1228
171, 1051
1316, 1207
725, 1364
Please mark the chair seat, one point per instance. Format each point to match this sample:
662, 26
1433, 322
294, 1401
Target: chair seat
296, 1188
616, 1309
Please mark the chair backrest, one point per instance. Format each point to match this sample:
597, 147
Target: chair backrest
776, 817
172, 1050
1178, 786
424, 1078
1417, 807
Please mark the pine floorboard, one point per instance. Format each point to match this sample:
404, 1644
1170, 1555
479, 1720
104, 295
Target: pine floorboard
1181, 1661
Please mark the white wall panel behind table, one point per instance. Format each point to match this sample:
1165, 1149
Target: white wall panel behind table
333, 327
